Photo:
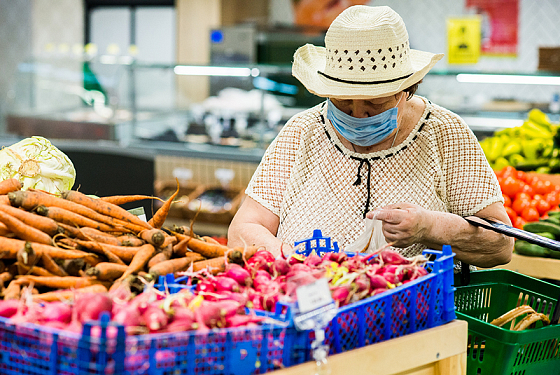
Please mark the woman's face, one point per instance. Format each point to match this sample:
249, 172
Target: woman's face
362, 108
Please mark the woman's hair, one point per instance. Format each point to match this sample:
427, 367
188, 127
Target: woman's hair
411, 90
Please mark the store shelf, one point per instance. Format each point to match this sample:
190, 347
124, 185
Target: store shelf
440, 350
541, 268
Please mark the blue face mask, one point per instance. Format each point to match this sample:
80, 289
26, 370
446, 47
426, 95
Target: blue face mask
363, 131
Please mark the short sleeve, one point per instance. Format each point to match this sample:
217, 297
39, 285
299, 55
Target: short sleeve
470, 183
269, 182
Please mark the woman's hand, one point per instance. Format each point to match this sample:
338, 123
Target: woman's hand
404, 224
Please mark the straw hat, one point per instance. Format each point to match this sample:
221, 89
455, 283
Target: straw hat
366, 55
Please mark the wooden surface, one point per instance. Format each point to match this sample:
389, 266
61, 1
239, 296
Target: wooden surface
541, 268
440, 350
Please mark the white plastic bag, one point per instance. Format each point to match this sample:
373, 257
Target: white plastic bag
370, 240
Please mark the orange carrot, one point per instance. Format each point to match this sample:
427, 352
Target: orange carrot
4, 200
42, 223
162, 256
174, 265
64, 295
130, 240
4, 231
57, 282
9, 185
51, 266
153, 236
92, 234
126, 227
103, 207
70, 230
5, 277
39, 271
159, 217
210, 240
100, 248
107, 271
169, 240
206, 249
26, 258
10, 246
12, 291
141, 258
125, 253
123, 199
214, 265
29, 200
71, 218
24, 231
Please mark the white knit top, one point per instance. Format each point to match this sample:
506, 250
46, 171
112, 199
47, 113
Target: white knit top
310, 179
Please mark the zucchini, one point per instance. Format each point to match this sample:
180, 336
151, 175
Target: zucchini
531, 165
543, 226
532, 250
546, 234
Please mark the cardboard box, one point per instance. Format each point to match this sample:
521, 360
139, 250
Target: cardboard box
549, 58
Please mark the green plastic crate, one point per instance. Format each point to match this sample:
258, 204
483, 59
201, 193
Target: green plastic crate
493, 350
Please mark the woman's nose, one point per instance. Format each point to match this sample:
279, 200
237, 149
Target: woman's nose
359, 109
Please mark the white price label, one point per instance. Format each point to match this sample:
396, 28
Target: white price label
313, 296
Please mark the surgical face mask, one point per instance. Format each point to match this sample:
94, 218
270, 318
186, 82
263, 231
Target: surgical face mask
363, 131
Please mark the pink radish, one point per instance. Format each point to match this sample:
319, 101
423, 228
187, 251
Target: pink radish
227, 284
9, 308
57, 312
341, 295
243, 320
239, 274
393, 257
312, 260
155, 318
91, 305
280, 267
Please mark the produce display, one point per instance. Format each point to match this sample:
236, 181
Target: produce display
533, 146
527, 198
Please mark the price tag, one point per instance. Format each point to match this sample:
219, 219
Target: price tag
313, 296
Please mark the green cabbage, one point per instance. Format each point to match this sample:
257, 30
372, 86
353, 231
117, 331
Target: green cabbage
37, 164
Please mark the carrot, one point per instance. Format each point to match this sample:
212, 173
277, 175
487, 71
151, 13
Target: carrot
39, 271
12, 291
51, 266
4, 200
174, 265
29, 200
139, 261
9, 185
130, 240
5, 277
92, 234
123, 199
210, 240
241, 254
42, 223
107, 271
10, 246
63, 295
26, 258
153, 236
69, 230
24, 231
4, 231
215, 265
169, 240
126, 227
57, 282
160, 215
2, 267
73, 266
206, 249
99, 248
103, 207
62, 215
162, 256
126, 254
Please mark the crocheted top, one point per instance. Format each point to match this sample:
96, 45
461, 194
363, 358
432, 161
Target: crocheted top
312, 181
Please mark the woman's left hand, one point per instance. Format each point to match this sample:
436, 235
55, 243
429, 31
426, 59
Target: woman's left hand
404, 224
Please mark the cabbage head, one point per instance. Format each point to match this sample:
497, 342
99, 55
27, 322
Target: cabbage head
37, 164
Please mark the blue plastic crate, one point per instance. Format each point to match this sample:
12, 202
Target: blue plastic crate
37, 350
420, 304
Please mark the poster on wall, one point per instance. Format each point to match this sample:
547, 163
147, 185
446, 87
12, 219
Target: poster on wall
320, 13
463, 40
500, 24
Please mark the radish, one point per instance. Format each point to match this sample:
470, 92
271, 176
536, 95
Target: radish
262, 273
56, 324
129, 316
295, 259
243, 320
341, 294
9, 308
91, 305
155, 318
239, 274
57, 312
206, 286
224, 283
312, 260
261, 282
393, 257
280, 267
229, 308
264, 254
376, 281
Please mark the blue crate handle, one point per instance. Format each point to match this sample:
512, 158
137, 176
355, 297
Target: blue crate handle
315, 243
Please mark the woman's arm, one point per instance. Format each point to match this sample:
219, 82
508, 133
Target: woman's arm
405, 224
254, 224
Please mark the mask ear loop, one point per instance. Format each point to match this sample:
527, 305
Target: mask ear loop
398, 122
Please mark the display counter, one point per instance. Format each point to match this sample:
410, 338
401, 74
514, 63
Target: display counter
540, 268
441, 350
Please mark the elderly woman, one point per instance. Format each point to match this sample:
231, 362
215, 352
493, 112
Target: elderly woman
373, 149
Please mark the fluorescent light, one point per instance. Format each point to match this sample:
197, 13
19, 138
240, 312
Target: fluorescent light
189, 70
504, 78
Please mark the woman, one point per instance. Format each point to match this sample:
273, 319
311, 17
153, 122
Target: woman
373, 145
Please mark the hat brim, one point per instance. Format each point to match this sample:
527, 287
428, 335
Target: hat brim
310, 59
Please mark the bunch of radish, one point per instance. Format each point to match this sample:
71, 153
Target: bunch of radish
148, 312
266, 280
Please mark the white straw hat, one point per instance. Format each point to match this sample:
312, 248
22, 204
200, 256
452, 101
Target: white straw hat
366, 55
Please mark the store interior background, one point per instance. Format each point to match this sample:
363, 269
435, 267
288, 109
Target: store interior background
138, 135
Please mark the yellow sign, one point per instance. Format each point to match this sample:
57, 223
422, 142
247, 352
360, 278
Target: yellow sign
463, 40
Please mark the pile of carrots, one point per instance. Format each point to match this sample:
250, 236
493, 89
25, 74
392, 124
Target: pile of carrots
73, 243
